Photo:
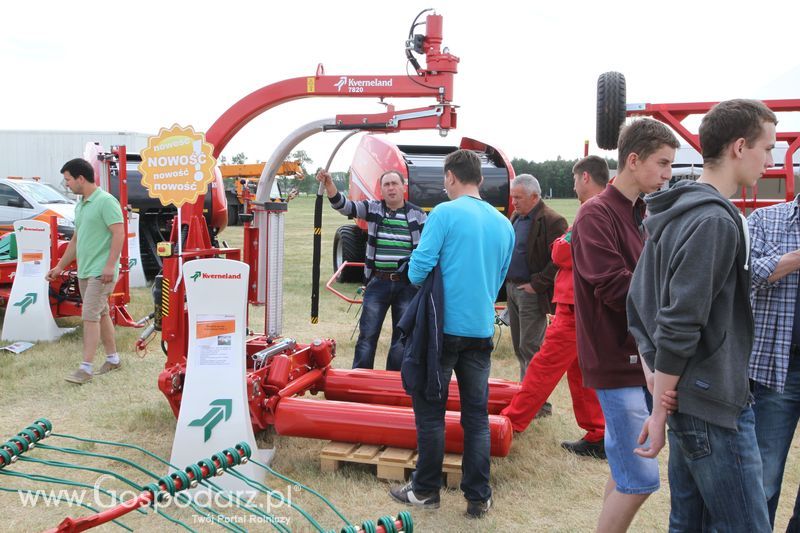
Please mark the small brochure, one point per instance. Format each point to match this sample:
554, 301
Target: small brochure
17, 347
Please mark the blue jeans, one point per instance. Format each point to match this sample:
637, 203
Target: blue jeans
379, 296
715, 476
471, 359
776, 421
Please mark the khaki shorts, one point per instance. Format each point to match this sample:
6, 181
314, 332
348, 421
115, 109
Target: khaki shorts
94, 294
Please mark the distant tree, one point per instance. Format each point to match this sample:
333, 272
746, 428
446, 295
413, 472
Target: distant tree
239, 159
302, 156
555, 176
342, 181
303, 183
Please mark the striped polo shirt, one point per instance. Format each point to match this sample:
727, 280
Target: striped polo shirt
393, 241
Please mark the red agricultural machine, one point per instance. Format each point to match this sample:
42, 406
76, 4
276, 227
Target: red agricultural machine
361, 405
65, 297
612, 109
422, 168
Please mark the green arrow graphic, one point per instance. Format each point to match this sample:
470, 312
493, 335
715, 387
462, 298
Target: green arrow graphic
23, 304
132, 262
195, 275
220, 408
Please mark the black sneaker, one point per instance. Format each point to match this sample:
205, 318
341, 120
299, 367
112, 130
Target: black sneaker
407, 495
585, 448
478, 509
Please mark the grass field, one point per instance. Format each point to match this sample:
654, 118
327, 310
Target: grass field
538, 487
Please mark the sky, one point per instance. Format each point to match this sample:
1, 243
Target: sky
526, 81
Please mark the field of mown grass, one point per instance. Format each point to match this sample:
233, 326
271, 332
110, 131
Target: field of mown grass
538, 487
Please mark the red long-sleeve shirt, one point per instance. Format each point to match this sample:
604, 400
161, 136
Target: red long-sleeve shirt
607, 239
561, 255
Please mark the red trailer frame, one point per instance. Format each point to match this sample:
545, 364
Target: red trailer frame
674, 114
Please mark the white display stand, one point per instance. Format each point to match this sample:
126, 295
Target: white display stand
28, 314
135, 270
214, 412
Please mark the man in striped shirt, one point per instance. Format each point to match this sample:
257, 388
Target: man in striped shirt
393, 230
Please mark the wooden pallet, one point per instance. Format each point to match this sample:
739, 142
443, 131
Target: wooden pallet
392, 463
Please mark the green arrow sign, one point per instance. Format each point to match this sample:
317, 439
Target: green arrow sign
195, 275
23, 304
219, 409
132, 262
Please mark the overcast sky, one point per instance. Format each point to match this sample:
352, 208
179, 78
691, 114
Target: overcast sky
526, 81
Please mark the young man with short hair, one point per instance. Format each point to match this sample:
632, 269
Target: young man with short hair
689, 310
558, 354
471, 242
393, 231
607, 238
96, 245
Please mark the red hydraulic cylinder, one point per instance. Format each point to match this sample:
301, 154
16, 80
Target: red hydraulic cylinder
386, 388
375, 424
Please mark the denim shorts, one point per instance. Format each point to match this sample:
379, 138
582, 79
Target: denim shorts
625, 411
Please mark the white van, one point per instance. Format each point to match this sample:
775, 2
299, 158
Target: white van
28, 199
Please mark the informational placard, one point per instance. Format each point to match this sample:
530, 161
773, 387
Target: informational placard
28, 315
177, 165
135, 269
31, 264
214, 411
214, 335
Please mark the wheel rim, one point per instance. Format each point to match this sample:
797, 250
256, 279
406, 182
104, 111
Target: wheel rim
339, 254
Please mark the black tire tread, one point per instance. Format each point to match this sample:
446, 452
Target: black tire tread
354, 248
610, 108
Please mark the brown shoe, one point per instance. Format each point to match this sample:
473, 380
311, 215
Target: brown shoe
80, 376
108, 367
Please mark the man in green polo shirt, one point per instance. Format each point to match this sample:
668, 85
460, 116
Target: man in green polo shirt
96, 244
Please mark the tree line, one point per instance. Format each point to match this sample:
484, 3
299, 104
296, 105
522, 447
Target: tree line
555, 176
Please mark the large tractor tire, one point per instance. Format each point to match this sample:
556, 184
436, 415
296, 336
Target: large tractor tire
349, 244
610, 109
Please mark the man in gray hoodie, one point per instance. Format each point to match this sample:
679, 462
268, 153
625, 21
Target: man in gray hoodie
689, 311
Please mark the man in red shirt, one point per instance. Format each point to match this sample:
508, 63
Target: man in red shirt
559, 351
607, 239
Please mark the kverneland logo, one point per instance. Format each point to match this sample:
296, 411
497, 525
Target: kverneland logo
27, 228
357, 85
205, 275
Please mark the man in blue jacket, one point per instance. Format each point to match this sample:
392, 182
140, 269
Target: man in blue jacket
472, 244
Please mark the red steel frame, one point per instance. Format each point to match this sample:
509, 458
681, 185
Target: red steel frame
674, 115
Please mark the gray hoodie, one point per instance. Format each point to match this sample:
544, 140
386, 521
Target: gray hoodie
689, 300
